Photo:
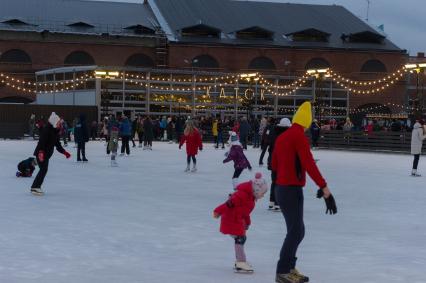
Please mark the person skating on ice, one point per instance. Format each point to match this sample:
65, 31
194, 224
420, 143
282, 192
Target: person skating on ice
417, 137
235, 216
192, 137
280, 128
113, 144
291, 159
26, 167
49, 138
236, 154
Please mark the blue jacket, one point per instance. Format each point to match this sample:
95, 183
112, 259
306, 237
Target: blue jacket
125, 128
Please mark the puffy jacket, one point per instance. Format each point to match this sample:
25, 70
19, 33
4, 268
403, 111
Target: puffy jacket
49, 138
125, 128
236, 154
292, 158
235, 213
417, 137
193, 142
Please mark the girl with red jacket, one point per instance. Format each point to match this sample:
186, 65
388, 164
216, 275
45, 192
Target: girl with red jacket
192, 137
235, 216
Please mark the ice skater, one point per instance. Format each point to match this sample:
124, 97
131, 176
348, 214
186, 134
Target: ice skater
192, 137
236, 154
26, 167
113, 144
417, 137
235, 216
291, 159
49, 138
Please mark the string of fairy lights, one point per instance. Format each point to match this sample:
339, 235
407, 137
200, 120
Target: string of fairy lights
209, 84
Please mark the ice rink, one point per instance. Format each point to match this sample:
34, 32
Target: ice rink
147, 221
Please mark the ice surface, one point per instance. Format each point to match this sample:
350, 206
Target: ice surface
148, 221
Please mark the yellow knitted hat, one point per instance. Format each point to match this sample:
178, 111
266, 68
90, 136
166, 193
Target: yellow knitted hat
303, 115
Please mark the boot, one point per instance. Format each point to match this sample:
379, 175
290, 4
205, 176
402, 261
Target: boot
287, 278
187, 168
114, 163
271, 205
37, 191
243, 266
194, 168
414, 173
296, 272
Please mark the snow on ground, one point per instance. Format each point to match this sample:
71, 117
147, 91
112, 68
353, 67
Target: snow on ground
148, 221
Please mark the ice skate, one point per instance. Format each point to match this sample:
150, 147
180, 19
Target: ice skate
296, 272
243, 267
415, 174
140, 145
194, 169
187, 169
85, 160
18, 174
114, 163
271, 205
276, 208
122, 154
287, 278
37, 191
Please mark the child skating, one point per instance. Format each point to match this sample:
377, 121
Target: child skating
193, 141
235, 216
236, 154
26, 167
113, 145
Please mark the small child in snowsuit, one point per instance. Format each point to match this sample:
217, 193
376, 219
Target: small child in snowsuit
236, 154
26, 167
113, 144
235, 216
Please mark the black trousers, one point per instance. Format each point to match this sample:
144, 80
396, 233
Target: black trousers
416, 161
272, 195
44, 166
81, 148
237, 172
243, 140
264, 148
290, 200
140, 137
125, 144
188, 159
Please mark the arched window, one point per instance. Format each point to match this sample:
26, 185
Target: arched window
140, 60
317, 63
78, 58
262, 63
373, 66
15, 56
205, 61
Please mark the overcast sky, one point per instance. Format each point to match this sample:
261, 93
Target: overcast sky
404, 20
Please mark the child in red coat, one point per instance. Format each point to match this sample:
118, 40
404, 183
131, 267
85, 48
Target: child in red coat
235, 216
192, 137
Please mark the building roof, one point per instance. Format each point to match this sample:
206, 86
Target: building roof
282, 19
76, 16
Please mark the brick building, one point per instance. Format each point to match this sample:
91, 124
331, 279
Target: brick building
223, 36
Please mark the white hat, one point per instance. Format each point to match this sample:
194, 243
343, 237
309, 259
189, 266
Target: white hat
259, 185
285, 123
54, 119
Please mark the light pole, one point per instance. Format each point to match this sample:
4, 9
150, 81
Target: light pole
317, 75
418, 102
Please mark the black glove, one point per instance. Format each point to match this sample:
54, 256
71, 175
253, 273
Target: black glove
330, 203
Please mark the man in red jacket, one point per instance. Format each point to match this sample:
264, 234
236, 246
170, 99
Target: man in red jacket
291, 159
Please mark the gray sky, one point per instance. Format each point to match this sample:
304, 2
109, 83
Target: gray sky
404, 20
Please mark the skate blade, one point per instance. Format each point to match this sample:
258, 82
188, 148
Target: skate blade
37, 194
240, 271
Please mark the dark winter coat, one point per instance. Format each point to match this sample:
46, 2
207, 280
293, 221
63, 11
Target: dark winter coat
236, 154
274, 135
292, 158
315, 131
235, 213
244, 128
81, 132
125, 128
26, 166
266, 137
193, 142
148, 129
49, 138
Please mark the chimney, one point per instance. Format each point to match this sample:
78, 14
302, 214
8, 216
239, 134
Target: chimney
420, 54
